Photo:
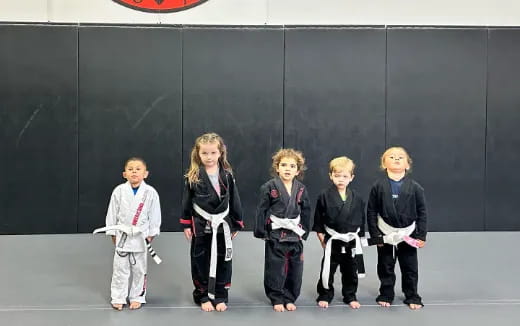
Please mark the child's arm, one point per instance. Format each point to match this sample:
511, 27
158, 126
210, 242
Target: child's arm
261, 211
421, 222
235, 204
361, 232
113, 209
318, 226
372, 211
187, 210
305, 213
155, 217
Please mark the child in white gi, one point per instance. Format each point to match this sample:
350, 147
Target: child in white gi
133, 203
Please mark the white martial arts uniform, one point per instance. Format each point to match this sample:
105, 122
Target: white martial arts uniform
130, 257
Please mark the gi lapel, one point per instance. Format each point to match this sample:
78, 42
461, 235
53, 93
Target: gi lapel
402, 201
388, 200
284, 195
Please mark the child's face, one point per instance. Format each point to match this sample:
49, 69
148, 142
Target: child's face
287, 169
341, 178
135, 172
209, 154
396, 161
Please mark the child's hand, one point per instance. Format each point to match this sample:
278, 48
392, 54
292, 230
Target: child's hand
114, 240
421, 243
150, 239
234, 235
188, 234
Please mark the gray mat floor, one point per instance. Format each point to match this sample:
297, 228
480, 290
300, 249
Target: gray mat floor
468, 278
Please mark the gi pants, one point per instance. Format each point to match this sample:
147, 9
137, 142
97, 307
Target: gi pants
129, 271
283, 270
200, 254
348, 268
407, 256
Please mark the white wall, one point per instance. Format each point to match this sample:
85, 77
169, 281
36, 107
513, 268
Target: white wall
275, 12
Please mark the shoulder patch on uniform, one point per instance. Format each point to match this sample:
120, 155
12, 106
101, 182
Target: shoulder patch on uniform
274, 193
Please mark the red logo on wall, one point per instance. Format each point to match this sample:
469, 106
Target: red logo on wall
160, 5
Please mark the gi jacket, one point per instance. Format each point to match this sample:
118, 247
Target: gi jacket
206, 197
275, 200
409, 207
341, 216
122, 209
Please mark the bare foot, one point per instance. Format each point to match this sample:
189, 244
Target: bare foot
135, 305
278, 308
384, 303
290, 307
207, 306
414, 306
117, 306
323, 304
354, 304
221, 307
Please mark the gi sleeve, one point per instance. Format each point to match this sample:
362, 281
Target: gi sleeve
361, 232
319, 214
235, 205
421, 222
113, 210
261, 213
372, 211
187, 205
154, 216
305, 214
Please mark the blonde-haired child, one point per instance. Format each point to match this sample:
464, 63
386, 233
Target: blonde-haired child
282, 220
396, 214
339, 221
212, 216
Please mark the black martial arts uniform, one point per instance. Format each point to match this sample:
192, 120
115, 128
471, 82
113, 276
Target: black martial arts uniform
283, 267
400, 212
343, 217
206, 197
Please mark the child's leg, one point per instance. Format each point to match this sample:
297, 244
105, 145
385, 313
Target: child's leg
386, 274
408, 262
349, 278
138, 266
325, 296
224, 271
293, 282
120, 278
275, 271
200, 253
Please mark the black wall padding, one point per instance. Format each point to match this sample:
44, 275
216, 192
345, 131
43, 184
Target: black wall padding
436, 108
130, 105
335, 100
503, 137
233, 85
38, 100
77, 100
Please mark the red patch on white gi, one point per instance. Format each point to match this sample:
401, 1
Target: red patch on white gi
274, 193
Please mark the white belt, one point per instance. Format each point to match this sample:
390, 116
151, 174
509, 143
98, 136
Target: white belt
393, 235
216, 220
292, 224
345, 237
131, 230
